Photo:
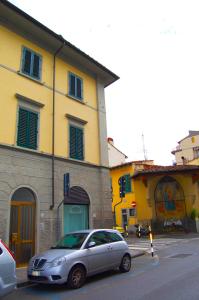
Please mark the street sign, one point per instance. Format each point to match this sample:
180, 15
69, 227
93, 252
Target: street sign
66, 184
133, 203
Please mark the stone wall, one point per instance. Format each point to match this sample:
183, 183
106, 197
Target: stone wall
20, 168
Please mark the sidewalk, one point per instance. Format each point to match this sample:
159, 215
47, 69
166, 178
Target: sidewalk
22, 279
21, 273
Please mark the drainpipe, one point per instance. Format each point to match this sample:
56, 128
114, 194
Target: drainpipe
115, 211
53, 127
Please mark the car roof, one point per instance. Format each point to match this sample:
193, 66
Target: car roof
92, 230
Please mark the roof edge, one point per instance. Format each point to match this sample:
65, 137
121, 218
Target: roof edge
59, 38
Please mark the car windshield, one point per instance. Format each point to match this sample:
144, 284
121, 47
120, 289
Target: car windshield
71, 241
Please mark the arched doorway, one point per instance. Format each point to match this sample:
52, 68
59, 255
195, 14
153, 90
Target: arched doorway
76, 210
22, 225
169, 199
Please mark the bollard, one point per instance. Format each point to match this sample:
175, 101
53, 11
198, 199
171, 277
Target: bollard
126, 231
151, 239
139, 231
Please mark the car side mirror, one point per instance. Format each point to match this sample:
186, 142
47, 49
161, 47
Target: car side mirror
91, 245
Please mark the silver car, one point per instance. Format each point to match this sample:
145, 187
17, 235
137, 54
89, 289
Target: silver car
79, 255
7, 270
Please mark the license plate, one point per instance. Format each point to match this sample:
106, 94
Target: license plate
35, 273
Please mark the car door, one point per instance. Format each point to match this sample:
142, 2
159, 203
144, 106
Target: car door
116, 248
7, 271
98, 256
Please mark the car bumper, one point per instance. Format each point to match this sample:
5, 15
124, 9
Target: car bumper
49, 276
6, 288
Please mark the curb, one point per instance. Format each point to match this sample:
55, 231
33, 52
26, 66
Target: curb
23, 284
139, 254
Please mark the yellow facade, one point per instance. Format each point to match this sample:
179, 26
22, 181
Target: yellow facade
116, 173
136, 199
193, 162
184, 204
158, 197
10, 66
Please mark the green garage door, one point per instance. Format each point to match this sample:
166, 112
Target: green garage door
75, 217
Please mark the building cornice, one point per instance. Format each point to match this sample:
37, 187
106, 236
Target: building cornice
47, 155
29, 100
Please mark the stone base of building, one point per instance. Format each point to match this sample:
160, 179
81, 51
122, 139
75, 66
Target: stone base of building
22, 170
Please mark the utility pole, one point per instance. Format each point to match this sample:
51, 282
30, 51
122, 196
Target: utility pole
144, 149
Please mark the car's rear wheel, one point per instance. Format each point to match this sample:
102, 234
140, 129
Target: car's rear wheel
125, 265
76, 277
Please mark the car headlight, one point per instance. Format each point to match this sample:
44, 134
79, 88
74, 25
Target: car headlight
58, 261
31, 261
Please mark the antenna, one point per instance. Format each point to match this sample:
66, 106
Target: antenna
144, 149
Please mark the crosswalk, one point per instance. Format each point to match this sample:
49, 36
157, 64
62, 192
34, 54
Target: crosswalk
158, 244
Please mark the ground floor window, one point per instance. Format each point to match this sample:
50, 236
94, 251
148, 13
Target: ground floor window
75, 217
132, 212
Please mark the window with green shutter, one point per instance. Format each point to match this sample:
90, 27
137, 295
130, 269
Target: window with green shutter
31, 63
27, 129
76, 143
128, 183
75, 86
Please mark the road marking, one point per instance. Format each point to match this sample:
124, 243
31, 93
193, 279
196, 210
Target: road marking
157, 243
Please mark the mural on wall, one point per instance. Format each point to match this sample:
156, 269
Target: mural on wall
169, 199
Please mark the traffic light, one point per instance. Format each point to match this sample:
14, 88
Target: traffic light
122, 184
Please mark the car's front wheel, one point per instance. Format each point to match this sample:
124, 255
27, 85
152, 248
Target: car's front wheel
125, 265
76, 277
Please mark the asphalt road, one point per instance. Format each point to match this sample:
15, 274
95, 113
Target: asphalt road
172, 275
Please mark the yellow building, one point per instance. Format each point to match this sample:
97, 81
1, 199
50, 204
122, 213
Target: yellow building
54, 174
187, 150
161, 196
133, 207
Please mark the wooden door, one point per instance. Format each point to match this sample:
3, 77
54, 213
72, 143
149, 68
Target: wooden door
22, 231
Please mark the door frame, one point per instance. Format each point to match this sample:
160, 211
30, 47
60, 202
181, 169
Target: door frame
19, 205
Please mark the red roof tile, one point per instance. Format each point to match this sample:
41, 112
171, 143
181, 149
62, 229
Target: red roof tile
166, 169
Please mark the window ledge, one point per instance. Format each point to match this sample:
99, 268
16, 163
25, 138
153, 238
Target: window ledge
76, 99
26, 148
77, 160
31, 78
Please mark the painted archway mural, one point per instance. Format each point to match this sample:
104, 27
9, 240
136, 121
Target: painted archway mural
169, 199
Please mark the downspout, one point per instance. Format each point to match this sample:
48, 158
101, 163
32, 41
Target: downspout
115, 223
53, 127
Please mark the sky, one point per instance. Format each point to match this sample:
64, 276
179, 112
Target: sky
153, 46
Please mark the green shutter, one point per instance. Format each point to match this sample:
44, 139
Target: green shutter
72, 85
36, 66
72, 142
27, 129
75, 86
78, 88
32, 130
76, 143
31, 63
26, 61
79, 143
128, 183
22, 128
